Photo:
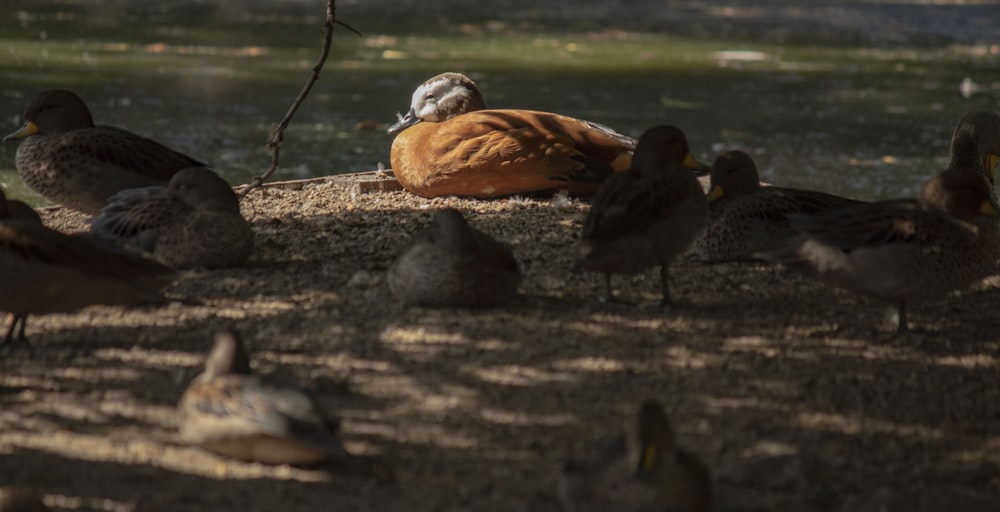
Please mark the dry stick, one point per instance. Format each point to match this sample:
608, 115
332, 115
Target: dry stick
274, 141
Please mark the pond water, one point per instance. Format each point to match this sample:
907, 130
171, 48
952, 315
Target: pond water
849, 109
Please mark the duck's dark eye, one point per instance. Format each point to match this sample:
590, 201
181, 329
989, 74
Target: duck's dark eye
429, 96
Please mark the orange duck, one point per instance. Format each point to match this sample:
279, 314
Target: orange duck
449, 144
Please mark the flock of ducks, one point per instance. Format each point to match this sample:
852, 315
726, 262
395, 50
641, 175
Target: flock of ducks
901, 251
156, 211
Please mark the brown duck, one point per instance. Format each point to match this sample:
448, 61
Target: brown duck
449, 143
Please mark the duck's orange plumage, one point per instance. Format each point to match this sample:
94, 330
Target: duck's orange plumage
448, 144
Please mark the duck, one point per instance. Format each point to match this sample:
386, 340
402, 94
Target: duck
903, 251
44, 271
648, 215
69, 160
651, 473
978, 134
452, 264
229, 411
450, 144
193, 222
745, 218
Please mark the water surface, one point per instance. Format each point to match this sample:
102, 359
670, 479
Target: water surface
851, 113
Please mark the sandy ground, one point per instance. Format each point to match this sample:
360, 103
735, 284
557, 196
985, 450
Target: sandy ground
797, 396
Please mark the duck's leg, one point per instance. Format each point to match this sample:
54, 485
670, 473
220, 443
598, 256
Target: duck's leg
10, 339
902, 327
608, 296
665, 283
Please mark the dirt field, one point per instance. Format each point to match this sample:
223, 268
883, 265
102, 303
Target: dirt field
797, 396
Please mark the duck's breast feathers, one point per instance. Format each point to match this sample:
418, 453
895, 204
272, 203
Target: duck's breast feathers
127, 150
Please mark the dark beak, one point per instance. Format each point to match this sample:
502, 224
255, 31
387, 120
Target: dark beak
404, 122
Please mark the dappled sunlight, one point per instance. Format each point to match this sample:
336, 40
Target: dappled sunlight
516, 375
87, 503
399, 336
520, 419
95, 374
156, 359
590, 365
863, 425
769, 449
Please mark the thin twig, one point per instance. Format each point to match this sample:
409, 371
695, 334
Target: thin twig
274, 141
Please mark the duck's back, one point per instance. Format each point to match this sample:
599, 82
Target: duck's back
82, 168
492, 153
751, 223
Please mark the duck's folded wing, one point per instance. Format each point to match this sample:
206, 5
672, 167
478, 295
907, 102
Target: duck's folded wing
130, 151
870, 225
132, 213
627, 204
43, 245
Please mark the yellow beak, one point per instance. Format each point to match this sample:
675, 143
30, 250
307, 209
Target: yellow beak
715, 194
647, 460
691, 163
29, 128
987, 208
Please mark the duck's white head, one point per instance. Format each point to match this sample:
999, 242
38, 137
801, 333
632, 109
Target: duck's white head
439, 98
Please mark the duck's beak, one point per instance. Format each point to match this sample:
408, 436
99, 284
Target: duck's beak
991, 166
699, 168
715, 194
29, 128
648, 455
404, 122
988, 209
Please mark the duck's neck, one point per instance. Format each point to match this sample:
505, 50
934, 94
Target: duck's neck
966, 150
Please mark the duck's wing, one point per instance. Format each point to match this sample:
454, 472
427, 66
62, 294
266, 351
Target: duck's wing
42, 245
873, 225
125, 149
627, 203
501, 152
137, 215
241, 405
776, 202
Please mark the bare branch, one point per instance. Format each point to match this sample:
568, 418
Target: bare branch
274, 141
